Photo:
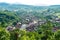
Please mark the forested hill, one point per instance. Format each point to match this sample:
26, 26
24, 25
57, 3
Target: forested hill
7, 18
18, 6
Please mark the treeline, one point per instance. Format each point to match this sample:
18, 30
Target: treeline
43, 32
25, 35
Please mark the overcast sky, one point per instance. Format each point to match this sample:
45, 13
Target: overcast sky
34, 2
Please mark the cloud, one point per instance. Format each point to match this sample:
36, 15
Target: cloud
33, 2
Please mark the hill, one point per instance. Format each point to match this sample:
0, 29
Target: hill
8, 18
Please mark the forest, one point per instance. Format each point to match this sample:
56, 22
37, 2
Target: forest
27, 22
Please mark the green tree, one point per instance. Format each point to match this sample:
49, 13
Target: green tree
57, 35
4, 34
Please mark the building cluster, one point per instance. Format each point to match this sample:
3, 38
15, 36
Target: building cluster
26, 26
31, 25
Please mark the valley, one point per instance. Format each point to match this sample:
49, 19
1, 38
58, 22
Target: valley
27, 22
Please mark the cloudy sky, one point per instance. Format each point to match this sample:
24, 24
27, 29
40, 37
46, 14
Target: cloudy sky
33, 2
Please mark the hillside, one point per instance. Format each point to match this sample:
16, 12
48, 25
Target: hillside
8, 18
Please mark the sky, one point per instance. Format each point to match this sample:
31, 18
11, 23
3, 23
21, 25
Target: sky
33, 2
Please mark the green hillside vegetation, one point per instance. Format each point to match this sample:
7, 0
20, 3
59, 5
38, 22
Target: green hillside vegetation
7, 18
43, 33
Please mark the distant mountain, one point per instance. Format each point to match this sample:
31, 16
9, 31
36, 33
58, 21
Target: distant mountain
11, 7
18, 6
4, 4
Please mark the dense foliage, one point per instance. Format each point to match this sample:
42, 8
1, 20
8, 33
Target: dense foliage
26, 35
8, 18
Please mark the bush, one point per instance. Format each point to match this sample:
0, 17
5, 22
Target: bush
4, 34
